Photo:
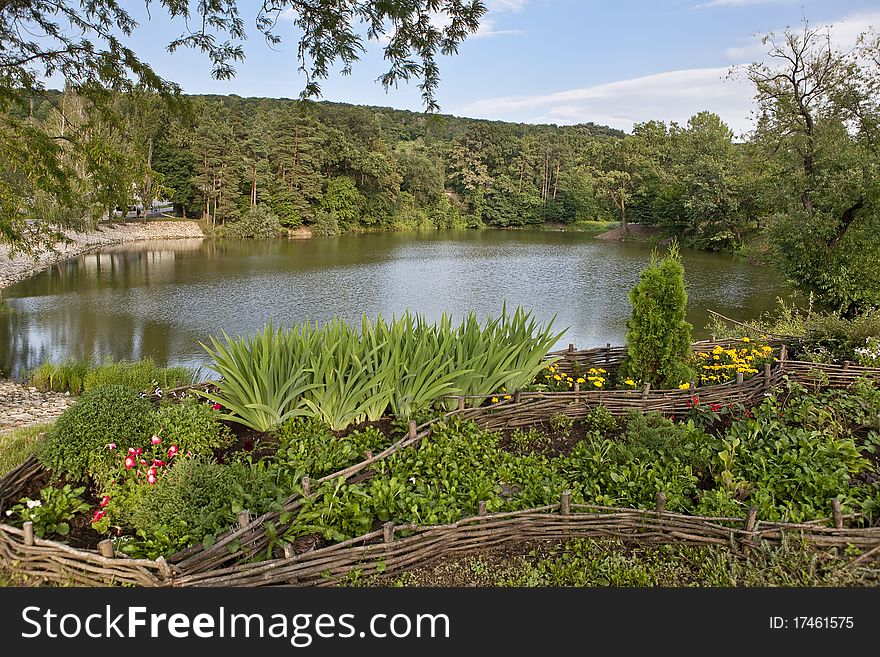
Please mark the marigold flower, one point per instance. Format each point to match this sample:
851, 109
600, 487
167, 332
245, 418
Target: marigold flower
630, 382
494, 400
684, 386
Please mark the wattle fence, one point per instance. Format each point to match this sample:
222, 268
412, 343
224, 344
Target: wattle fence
232, 559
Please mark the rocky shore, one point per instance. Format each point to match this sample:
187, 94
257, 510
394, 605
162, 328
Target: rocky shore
20, 267
23, 405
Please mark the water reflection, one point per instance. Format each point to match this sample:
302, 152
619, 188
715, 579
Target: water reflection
160, 299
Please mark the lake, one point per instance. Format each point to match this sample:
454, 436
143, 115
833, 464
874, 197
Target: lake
160, 299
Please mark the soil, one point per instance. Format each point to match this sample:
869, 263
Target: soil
556, 443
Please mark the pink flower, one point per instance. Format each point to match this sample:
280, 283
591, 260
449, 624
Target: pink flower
158, 463
217, 407
111, 446
131, 450
98, 515
105, 501
172, 451
155, 440
143, 461
129, 462
138, 451
151, 476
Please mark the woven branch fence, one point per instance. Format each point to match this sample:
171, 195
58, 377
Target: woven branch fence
231, 559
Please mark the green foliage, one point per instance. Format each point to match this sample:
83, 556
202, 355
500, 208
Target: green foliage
307, 447
600, 420
658, 336
76, 445
193, 500
192, 426
257, 223
78, 376
52, 512
343, 376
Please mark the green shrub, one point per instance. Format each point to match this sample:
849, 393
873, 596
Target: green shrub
257, 223
658, 337
194, 499
192, 426
600, 419
77, 444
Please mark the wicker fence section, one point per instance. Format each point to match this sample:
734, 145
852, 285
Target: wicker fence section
393, 550
230, 560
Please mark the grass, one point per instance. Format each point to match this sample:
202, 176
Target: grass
18, 444
77, 376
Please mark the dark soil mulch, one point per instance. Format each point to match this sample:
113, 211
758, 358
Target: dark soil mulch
554, 444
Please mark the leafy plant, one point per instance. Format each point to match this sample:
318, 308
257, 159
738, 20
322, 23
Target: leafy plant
52, 512
192, 426
78, 376
77, 444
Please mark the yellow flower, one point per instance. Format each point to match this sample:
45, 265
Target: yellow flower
746, 339
494, 400
557, 377
684, 386
506, 396
630, 382
581, 379
598, 384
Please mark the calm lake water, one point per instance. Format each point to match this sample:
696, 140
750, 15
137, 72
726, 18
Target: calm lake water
160, 299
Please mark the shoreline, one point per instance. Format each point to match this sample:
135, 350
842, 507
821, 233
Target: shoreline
20, 267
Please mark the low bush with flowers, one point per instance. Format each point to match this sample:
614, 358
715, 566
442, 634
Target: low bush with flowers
722, 365
554, 379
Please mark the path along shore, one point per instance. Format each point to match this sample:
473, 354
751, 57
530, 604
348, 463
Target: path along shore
19, 267
22, 405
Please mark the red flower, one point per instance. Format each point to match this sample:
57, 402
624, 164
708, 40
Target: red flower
98, 515
217, 407
172, 451
155, 440
129, 462
158, 463
715, 407
151, 476
111, 446
105, 501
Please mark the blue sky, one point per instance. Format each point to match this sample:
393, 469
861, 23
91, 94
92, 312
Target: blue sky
555, 61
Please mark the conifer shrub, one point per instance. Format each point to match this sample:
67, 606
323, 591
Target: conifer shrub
658, 337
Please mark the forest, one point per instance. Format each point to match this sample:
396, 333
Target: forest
800, 191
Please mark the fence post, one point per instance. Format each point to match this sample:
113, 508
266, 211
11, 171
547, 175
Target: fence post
244, 519
388, 532
517, 396
105, 548
481, 509
412, 430
289, 551
565, 503
766, 377
783, 354
751, 521
739, 378
368, 454
164, 569
661, 501
28, 529
577, 388
836, 513
461, 403
306, 486
645, 392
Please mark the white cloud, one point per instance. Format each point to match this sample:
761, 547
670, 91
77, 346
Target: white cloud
670, 96
487, 29
844, 34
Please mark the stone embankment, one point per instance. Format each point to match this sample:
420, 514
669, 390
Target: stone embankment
22, 405
20, 267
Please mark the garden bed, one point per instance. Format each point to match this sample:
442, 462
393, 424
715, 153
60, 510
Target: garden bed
310, 560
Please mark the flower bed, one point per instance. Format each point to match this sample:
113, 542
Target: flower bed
289, 535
